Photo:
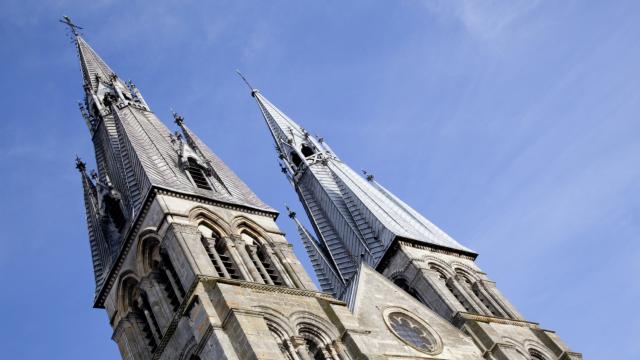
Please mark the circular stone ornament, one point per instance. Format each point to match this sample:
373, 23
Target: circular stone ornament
412, 330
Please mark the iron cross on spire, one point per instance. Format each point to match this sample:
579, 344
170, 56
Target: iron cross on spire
74, 28
253, 90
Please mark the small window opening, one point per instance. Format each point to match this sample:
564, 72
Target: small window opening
197, 175
114, 210
295, 158
306, 150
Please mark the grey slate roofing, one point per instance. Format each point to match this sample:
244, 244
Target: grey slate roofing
354, 218
148, 140
136, 152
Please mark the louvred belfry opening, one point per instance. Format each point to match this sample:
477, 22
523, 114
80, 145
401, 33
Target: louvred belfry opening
197, 175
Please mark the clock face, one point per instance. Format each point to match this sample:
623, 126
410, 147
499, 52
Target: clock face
412, 331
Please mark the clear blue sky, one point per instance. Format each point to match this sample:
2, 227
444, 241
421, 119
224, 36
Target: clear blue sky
513, 125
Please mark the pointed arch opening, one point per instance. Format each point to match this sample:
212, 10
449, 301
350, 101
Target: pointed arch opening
197, 174
449, 284
218, 252
262, 260
282, 340
157, 264
536, 355
134, 300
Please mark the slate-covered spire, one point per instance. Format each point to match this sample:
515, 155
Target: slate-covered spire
136, 153
100, 252
354, 217
329, 276
92, 65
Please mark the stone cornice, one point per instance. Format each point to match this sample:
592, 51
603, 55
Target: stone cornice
397, 242
462, 317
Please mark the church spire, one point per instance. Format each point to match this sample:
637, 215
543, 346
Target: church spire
136, 154
355, 217
100, 252
329, 276
93, 67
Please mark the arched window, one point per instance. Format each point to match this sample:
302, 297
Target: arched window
169, 280
218, 253
261, 260
134, 300
197, 175
536, 355
474, 288
448, 282
441, 274
283, 344
157, 263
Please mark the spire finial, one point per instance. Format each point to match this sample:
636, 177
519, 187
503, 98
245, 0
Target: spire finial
292, 214
80, 165
253, 90
368, 175
177, 118
73, 27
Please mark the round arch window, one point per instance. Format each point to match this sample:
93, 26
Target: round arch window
412, 331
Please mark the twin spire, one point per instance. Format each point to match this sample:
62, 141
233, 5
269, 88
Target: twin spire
354, 219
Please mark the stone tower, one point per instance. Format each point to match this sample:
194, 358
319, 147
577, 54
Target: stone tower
356, 220
190, 264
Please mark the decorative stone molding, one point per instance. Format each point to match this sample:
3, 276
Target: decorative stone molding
462, 317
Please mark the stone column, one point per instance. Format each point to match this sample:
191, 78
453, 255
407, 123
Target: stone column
256, 260
291, 350
340, 351
456, 287
237, 259
301, 347
437, 294
483, 292
249, 262
278, 264
470, 296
